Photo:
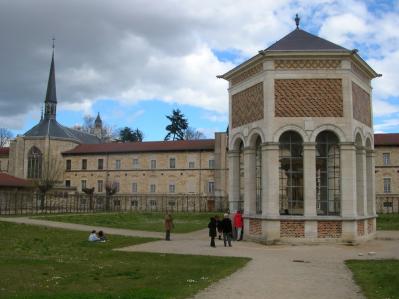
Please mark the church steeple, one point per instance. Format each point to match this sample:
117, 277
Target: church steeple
50, 103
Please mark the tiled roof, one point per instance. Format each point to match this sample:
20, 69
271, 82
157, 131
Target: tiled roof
386, 139
4, 150
7, 180
149, 146
300, 40
50, 127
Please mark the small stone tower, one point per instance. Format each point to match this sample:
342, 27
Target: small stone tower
98, 126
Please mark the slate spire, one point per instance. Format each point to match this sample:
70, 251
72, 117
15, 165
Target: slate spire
50, 102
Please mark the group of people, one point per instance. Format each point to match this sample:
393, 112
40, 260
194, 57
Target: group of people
97, 236
225, 227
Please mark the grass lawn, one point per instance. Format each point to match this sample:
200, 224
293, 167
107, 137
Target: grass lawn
40, 262
184, 222
388, 222
379, 279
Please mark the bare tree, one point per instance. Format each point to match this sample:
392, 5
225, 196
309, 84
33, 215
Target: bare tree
193, 134
108, 132
51, 175
5, 137
110, 189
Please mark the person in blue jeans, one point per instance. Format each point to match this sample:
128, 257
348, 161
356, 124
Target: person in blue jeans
227, 230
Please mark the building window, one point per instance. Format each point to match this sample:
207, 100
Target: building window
136, 163
83, 184
172, 163
291, 173
211, 187
258, 175
100, 164
134, 187
67, 183
191, 164
84, 164
100, 185
35, 158
172, 188
153, 203
328, 174
118, 164
211, 164
153, 164
152, 188
387, 185
68, 165
386, 158
134, 203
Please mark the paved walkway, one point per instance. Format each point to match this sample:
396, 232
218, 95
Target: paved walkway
280, 271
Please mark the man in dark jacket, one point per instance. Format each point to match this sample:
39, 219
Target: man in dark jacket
212, 231
227, 230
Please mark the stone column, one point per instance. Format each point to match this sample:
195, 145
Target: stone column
348, 180
270, 180
361, 181
249, 181
309, 178
370, 170
234, 179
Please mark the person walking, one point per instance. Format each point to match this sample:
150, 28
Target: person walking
227, 230
212, 230
168, 226
238, 224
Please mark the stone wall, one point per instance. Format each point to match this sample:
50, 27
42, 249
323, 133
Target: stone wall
308, 98
304, 64
247, 74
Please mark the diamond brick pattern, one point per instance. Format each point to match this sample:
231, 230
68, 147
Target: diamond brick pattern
308, 98
292, 229
370, 226
306, 64
247, 105
255, 227
361, 105
329, 229
360, 228
247, 74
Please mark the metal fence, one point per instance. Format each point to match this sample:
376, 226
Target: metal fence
21, 203
387, 203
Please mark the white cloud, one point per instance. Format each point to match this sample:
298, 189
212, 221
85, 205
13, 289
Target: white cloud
383, 108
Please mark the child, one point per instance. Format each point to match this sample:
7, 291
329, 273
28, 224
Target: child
93, 237
101, 236
168, 226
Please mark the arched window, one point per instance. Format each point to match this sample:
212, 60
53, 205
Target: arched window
328, 174
35, 158
291, 173
258, 164
240, 205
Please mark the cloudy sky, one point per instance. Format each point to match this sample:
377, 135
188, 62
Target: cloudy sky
135, 61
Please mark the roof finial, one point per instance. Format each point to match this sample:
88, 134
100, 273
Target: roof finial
41, 116
53, 42
297, 19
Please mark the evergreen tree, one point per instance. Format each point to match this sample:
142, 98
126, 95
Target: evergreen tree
127, 134
178, 126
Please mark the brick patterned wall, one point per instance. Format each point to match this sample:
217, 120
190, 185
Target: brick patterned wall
247, 105
292, 229
358, 72
329, 229
360, 228
361, 105
370, 226
255, 227
308, 98
306, 64
247, 74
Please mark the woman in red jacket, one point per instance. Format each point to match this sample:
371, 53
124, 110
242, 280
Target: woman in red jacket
238, 224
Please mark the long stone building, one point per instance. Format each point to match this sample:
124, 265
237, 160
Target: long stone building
301, 142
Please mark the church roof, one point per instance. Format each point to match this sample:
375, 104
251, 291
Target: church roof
300, 40
51, 128
386, 139
148, 146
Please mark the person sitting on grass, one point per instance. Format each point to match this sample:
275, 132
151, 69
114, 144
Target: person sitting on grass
101, 236
93, 237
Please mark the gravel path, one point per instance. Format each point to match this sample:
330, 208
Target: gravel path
279, 271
